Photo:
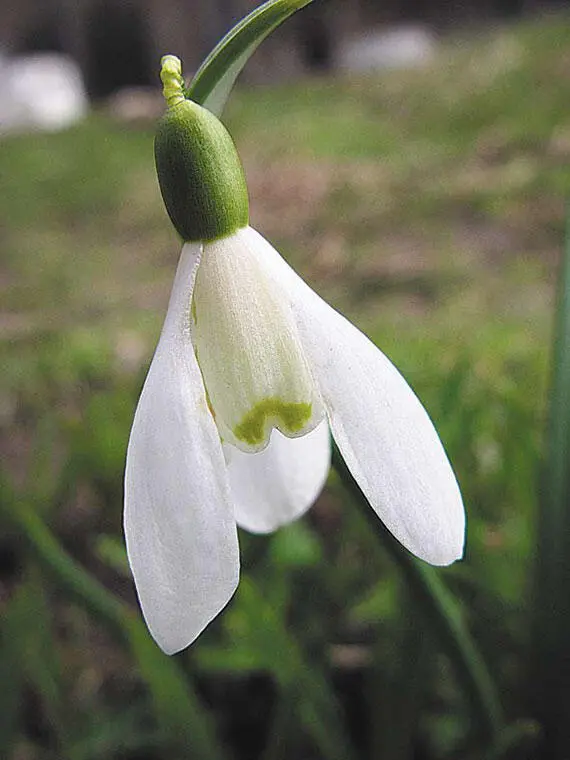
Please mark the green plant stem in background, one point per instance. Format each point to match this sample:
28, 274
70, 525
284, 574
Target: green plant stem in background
549, 676
400, 687
516, 742
61, 567
444, 617
299, 681
180, 716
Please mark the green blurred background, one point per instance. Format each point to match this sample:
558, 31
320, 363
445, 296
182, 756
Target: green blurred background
428, 206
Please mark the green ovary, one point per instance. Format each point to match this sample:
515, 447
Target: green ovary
289, 418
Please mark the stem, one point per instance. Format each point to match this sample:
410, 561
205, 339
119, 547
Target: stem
399, 688
216, 76
442, 613
549, 676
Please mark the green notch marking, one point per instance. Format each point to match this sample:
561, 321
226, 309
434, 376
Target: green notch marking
288, 417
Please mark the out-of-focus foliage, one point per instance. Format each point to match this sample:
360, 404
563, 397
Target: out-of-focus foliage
429, 207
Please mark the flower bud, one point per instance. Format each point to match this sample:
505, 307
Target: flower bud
199, 171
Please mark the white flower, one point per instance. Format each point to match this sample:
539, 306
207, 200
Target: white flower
251, 371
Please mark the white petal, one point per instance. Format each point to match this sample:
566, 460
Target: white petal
280, 483
248, 348
383, 432
179, 525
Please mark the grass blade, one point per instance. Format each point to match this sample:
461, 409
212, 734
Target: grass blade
549, 684
183, 723
301, 683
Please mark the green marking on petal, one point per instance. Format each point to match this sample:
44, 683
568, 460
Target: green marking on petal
287, 417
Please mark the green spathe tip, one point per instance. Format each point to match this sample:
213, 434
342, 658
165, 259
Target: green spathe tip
199, 171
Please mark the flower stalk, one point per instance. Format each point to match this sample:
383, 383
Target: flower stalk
216, 76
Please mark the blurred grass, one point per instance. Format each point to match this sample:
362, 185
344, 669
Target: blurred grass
429, 207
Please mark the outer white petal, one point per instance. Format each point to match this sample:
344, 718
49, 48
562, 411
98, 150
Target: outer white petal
277, 485
179, 525
385, 435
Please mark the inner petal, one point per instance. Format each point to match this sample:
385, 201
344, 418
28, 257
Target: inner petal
248, 349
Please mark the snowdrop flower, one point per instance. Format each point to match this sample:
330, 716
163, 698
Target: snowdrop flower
251, 371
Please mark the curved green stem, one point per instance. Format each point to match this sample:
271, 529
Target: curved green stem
444, 616
216, 76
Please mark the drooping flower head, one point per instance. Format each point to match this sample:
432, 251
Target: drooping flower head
251, 371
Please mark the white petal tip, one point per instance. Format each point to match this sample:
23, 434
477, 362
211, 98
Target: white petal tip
442, 542
174, 633
444, 555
